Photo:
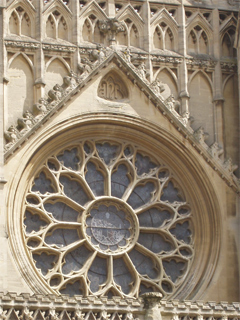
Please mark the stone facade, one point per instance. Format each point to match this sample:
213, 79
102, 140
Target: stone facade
119, 159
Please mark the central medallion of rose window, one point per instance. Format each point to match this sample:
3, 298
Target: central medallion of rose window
111, 228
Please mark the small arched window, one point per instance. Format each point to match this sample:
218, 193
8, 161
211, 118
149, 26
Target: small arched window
20, 22
227, 43
198, 42
56, 26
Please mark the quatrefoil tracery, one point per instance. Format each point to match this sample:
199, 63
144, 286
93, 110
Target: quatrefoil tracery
107, 218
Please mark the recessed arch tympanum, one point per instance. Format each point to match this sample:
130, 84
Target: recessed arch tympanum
111, 203
112, 87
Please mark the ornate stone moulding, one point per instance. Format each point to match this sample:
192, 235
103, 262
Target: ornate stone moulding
32, 45
201, 63
59, 47
229, 66
60, 96
148, 190
31, 307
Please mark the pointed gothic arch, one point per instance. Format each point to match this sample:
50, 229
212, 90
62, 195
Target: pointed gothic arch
198, 41
21, 76
134, 25
57, 19
122, 37
57, 26
158, 38
93, 8
14, 23
231, 117
51, 27
87, 30
169, 39
26, 25
90, 18
201, 103
112, 87
166, 75
129, 12
63, 29
56, 69
227, 42
29, 61
168, 26
25, 14
134, 36
98, 36
199, 34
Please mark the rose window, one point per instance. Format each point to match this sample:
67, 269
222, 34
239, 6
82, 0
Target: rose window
108, 218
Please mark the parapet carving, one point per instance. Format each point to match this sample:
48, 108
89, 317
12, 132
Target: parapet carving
166, 59
94, 59
215, 151
207, 64
228, 66
51, 307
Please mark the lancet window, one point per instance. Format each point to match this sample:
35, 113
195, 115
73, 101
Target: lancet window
56, 26
198, 41
163, 37
20, 23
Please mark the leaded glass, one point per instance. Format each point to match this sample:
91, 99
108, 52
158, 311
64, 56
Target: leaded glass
104, 217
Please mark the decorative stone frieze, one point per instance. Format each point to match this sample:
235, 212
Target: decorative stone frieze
45, 307
59, 48
22, 44
201, 63
228, 66
166, 59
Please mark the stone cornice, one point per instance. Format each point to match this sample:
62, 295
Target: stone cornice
58, 97
29, 307
201, 63
58, 47
33, 45
229, 66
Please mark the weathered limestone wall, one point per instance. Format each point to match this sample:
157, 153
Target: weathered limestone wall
162, 48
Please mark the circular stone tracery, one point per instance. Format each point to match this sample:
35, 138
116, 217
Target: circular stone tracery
110, 227
107, 218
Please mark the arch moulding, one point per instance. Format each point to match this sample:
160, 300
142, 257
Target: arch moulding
153, 140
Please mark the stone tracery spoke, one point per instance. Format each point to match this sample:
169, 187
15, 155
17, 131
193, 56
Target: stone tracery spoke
117, 222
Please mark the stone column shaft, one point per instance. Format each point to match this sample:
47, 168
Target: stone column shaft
39, 62
111, 8
147, 37
75, 8
217, 94
183, 73
3, 235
